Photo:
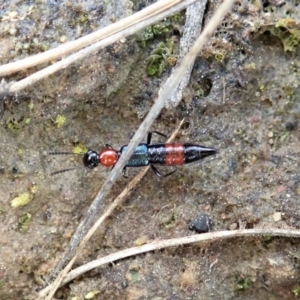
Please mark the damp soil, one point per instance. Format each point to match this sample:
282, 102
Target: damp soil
243, 100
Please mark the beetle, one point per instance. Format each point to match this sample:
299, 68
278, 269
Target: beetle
169, 154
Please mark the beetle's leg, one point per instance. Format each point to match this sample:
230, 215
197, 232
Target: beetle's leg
149, 135
149, 138
157, 173
157, 132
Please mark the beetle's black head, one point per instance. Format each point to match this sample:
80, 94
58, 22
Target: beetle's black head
91, 159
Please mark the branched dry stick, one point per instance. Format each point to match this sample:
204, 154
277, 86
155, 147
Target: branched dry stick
106, 36
206, 237
192, 28
140, 133
107, 213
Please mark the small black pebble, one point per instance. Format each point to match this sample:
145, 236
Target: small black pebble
290, 125
201, 224
14, 170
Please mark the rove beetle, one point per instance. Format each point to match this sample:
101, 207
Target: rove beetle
169, 154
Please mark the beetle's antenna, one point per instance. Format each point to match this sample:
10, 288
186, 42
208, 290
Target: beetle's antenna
64, 170
63, 153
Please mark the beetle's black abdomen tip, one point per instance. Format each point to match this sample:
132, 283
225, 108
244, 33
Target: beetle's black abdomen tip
196, 152
204, 152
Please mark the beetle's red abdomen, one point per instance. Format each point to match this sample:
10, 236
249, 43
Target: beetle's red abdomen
174, 154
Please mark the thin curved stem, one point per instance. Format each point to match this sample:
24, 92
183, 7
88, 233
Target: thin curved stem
187, 240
